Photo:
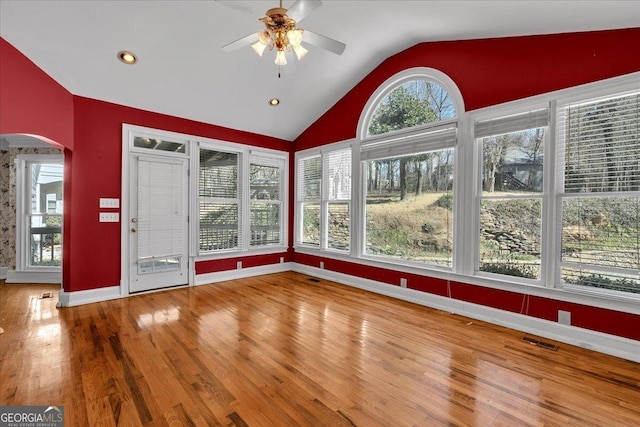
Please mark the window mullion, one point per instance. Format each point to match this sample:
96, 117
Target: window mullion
551, 219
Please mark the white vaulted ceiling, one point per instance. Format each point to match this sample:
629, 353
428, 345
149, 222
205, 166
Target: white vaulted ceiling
183, 71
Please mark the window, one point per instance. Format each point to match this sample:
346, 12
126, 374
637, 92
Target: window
409, 204
241, 199
39, 209
543, 191
337, 184
220, 207
413, 103
408, 160
266, 195
512, 198
309, 185
324, 200
599, 193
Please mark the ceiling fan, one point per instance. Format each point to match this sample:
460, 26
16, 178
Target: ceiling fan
282, 34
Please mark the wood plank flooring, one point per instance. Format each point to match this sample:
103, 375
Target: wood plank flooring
281, 350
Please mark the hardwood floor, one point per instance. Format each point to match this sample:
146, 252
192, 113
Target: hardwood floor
281, 350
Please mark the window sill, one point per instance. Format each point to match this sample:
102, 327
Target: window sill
240, 253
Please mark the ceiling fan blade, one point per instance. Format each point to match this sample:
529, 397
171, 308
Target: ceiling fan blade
236, 5
323, 42
239, 44
302, 8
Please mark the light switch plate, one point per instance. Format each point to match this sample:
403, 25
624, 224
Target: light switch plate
109, 203
109, 217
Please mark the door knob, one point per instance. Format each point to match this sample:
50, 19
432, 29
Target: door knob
133, 230
134, 220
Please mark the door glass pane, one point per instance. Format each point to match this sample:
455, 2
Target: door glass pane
45, 212
158, 265
159, 144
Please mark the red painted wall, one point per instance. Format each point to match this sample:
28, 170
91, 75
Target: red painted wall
31, 102
489, 72
94, 248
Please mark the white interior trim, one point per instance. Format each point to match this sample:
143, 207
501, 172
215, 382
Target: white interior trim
241, 273
34, 276
72, 299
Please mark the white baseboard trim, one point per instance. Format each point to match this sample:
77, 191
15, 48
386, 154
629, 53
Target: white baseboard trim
3, 272
241, 273
30, 276
593, 340
72, 299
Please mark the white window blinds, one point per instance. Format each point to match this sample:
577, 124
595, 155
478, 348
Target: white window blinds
337, 166
512, 123
601, 149
220, 210
160, 208
599, 188
435, 138
310, 179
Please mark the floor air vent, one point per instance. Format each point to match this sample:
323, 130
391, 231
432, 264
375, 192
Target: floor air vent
539, 343
313, 279
46, 295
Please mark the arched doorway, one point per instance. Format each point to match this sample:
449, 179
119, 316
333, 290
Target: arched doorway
32, 184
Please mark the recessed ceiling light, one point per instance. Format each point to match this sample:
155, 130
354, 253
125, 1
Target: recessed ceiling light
274, 101
127, 57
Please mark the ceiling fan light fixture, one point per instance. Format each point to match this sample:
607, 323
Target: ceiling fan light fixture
300, 51
259, 47
264, 37
295, 37
281, 58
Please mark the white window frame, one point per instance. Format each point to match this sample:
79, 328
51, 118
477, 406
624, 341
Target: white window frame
324, 200
512, 118
239, 199
598, 91
413, 134
248, 155
466, 227
193, 144
23, 214
263, 158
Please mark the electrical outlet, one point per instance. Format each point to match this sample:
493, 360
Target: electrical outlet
239, 265
281, 260
564, 317
321, 264
109, 203
109, 217
403, 282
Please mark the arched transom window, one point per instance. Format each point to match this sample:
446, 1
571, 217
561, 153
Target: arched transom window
412, 103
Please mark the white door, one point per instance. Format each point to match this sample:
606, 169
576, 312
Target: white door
158, 226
